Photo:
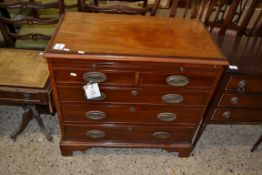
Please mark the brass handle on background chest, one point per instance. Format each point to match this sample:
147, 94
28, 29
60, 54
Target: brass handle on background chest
161, 135
95, 134
95, 115
94, 77
166, 117
234, 100
227, 114
177, 80
241, 86
172, 98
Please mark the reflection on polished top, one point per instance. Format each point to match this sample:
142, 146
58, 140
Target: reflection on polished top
108, 34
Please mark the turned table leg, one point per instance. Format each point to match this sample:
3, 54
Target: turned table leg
27, 117
30, 113
40, 123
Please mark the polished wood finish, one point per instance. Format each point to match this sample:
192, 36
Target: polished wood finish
253, 83
142, 41
145, 95
124, 113
128, 133
228, 115
156, 88
239, 92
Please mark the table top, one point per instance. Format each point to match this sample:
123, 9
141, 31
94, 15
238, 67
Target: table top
242, 51
135, 36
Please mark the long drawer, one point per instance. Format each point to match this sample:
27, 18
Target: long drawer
109, 113
130, 133
237, 115
136, 95
240, 100
244, 83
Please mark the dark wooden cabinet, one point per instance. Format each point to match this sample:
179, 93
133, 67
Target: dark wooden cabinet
155, 88
238, 100
239, 94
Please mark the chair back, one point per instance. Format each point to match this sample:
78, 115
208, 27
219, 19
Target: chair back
220, 16
28, 27
71, 5
251, 24
120, 7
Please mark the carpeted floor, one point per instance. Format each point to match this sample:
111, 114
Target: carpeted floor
221, 150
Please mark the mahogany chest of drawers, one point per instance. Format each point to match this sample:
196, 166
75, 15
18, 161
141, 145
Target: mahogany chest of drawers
239, 95
156, 77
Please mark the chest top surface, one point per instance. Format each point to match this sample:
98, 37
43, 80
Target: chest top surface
133, 36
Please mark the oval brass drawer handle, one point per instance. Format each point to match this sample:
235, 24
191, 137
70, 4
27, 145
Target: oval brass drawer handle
241, 86
161, 135
95, 115
172, 98
95, 134
227, 114
177, 80
166, 117
234, 100
94, 77
102, 97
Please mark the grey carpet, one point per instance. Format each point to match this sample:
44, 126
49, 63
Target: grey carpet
221, 150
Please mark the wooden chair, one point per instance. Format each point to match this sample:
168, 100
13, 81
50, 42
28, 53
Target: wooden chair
72, 5
24, 74
249, 28
120, 7
218, 15
33, 29
234, 24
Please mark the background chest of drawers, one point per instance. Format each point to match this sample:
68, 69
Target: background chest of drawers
239, 100
147, 101
238, 97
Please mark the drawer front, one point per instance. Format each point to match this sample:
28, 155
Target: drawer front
23, 97
127, 133
104, 77
243, 84
128, 95
185, 81
241, 100
131, 114
237, 115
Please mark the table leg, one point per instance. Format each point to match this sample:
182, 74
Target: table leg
27, 117
40, 123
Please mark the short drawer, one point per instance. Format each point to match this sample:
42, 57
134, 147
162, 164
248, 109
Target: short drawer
180, 80
121, 113
129, 95
241, 100
237, 115
27, 98
102, 76
130, 133
244, 84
